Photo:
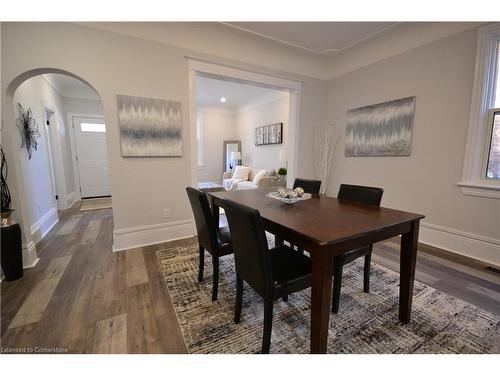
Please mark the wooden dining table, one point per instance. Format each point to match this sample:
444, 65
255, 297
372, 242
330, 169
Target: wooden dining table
327, 227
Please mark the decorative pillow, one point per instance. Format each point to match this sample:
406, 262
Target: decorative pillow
262, 173
241, 172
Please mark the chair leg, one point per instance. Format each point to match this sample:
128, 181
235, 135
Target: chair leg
201, 264
366, 278
239, 299
337, 283
215, 286
268, 326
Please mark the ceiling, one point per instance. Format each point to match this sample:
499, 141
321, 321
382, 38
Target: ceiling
238, 95
70, 87
317, 37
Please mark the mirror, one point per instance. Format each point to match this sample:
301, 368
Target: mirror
228, 148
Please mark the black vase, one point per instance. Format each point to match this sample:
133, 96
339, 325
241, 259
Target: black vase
11, 252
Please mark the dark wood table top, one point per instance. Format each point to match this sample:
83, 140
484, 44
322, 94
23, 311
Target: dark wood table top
321, 219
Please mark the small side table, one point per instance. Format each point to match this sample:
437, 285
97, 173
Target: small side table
210, 186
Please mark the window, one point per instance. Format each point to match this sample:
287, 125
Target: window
199, 138
481, 172
92, 127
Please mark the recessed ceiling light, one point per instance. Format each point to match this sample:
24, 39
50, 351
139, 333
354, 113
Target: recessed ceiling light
222, 100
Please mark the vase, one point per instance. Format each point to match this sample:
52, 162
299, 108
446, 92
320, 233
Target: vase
7, 218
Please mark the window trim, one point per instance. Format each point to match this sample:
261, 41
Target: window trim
474, 181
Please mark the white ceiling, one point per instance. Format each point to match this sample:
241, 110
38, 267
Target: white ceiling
238, 95
70, 87
317, 37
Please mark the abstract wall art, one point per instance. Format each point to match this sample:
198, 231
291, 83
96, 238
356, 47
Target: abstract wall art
28, 128
383, 129
269, 134
149, 127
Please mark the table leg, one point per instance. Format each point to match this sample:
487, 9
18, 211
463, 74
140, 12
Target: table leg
321, 295
408, 259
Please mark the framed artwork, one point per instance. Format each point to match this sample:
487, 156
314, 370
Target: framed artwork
149, 127
383, 129
269, 134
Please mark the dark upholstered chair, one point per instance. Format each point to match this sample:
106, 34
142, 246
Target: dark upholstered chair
272, 273
217, 241
360, 194
309, 186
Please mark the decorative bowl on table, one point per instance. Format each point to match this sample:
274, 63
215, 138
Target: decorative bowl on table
289, 196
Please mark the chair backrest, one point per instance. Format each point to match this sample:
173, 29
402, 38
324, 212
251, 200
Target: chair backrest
251, 253
361, 194
309, 186
205, 226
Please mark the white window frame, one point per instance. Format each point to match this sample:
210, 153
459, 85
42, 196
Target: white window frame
199, 131
474, 181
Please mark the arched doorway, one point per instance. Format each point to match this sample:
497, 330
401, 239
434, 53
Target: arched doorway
48, 178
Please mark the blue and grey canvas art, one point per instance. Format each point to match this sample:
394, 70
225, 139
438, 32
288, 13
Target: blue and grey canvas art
382, 129
149, 127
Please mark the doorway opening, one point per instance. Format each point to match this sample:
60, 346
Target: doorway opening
241, 118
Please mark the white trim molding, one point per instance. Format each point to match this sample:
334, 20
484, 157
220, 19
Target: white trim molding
30, 257
71, 199
482, 102
130, 238
485, 249
43, 225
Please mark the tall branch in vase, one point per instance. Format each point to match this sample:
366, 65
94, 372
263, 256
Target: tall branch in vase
325, 141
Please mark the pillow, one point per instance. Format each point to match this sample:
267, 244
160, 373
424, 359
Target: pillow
262, 173
241, 172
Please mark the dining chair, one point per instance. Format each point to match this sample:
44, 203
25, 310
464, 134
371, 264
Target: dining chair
272, 273
309, 186
217, 241
360, 194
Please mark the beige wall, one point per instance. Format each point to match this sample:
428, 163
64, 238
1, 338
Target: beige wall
119, 64
266, 156
218, 126
440, 75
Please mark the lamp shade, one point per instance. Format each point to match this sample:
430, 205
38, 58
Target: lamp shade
235, 155
283, 156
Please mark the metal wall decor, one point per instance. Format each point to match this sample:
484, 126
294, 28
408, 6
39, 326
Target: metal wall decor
269, 134
28, 128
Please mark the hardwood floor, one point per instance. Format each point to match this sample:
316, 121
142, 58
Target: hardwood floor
83, 298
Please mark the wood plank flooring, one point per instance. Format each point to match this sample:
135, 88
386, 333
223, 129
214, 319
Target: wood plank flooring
83, 298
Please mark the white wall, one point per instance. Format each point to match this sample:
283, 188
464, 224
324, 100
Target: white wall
440, 75
119, 64
266, 156
36, 93
218, 126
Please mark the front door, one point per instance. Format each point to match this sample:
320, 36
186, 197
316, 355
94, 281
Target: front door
92, 156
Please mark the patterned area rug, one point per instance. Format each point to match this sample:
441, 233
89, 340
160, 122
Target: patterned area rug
95, 204
366, 323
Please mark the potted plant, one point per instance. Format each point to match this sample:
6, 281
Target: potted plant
5, 203
282, 176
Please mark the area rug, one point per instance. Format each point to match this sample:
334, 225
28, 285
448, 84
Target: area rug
366, 323
95, 204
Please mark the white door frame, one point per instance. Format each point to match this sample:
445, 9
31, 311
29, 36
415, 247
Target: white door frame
72, 140
56, 169
292, 87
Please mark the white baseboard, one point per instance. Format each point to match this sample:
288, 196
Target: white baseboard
71, 199
30, 257
474, 246
124, 239
44, 225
